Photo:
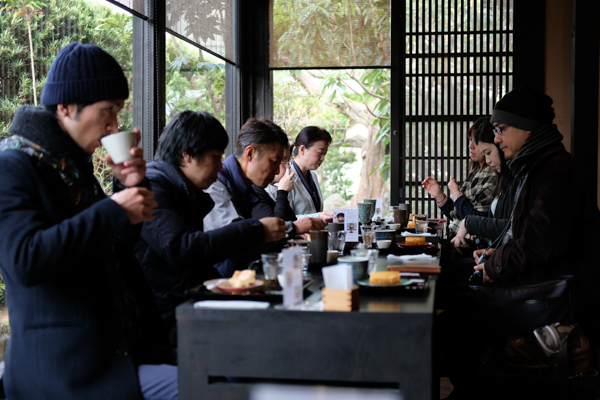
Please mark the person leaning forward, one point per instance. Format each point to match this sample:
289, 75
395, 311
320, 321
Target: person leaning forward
173, 249
83, 321
257, 156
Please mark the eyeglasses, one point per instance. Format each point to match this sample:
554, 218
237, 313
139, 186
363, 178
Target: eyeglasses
497, 130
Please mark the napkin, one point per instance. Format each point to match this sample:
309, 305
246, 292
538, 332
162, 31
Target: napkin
417, 234
338, 276
239, 304
412, 257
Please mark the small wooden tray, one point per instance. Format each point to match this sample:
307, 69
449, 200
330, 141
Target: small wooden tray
419, 268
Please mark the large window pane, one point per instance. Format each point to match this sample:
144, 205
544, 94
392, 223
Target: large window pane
324, 33
353, 106
195, 80
209, 23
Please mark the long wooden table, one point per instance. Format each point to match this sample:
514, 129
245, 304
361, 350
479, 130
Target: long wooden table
387, 344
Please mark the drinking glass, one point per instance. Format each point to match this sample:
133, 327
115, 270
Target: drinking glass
271, 264
368, 238
421, 222
372, 254
304, 246
337, 241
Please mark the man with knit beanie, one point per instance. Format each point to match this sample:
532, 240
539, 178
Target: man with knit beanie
541, 241
84, 324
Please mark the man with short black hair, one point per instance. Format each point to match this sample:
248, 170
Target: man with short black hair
83, 321
175, 252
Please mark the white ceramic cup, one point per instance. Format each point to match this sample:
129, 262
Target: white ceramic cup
384, 244
118, 145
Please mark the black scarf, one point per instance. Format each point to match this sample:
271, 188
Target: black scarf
534, 146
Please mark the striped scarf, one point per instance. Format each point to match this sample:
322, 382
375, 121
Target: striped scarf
478, 188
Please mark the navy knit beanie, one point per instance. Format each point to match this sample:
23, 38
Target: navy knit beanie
84, 74
524, 108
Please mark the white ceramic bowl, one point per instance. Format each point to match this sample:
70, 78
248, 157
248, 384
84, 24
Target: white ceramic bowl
384, 244
395, 226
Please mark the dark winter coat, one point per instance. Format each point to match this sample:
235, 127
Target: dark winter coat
68, 339
174, 251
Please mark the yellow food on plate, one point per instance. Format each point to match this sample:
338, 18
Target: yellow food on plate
384, 278
242, 278
411, 225
415, 240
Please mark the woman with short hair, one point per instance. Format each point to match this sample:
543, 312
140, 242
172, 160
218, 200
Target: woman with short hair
309, 150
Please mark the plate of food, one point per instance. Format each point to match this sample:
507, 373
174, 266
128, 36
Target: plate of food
384, 279
228, 287
403, 282
241, 281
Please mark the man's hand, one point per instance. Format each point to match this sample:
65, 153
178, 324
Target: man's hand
433, 188
131, 172
274, 228
326, 217
138, 204
478, 253
486, 278
287, 182
306, 224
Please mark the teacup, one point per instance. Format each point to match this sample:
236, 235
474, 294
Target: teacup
118, 145
384, 244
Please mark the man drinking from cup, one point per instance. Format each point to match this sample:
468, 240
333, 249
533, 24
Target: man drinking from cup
83, 321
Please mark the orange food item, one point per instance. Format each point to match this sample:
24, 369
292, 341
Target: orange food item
415, 240
384, 278
242, 278
411, 225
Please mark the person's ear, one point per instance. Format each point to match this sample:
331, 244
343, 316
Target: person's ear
66, 110
187, 159
250, 152
301, 149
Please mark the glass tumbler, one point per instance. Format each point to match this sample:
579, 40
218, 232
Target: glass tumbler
271, 264
372, 254
337, 241
421, 223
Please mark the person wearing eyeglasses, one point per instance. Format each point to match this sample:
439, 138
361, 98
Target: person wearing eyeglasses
544, 240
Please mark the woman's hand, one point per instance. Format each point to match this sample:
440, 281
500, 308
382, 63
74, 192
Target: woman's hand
459, 240
453, 185
433, 188
287, 182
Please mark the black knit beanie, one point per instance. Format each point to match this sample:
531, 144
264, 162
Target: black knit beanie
524, 108
84, 74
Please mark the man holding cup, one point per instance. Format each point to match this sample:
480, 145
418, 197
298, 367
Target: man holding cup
83, 320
